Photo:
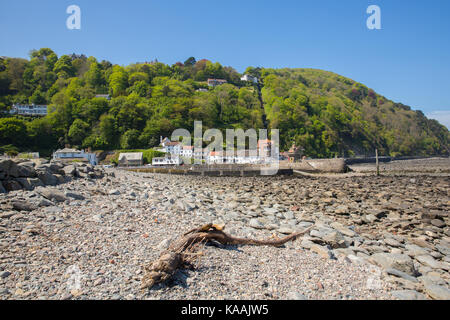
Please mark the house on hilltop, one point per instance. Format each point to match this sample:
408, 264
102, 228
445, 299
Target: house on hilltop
249, 78
29, 110
106, 96
216, 82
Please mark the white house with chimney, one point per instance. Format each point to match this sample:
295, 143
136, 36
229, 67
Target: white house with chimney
249, 78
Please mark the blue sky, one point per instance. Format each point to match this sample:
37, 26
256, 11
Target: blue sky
408, 60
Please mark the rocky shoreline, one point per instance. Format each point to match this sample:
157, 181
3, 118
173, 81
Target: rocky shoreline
382, 237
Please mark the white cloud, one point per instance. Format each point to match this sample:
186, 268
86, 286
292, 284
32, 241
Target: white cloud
443, 116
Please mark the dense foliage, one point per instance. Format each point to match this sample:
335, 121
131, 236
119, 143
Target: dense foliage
323, 112
328, 114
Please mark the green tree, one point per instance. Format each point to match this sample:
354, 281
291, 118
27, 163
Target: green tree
130, 139
13, 131
108, 129
78, 131
118, 81
64, 68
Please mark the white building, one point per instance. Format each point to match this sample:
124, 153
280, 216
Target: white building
131, 159
29, 110
220, 157
173, 147
247, 157
249, 78
216, 82
67, 154
164, 141
267, 152
29, 155
201, 153
240, 157
187, 151
168, 160
106, 96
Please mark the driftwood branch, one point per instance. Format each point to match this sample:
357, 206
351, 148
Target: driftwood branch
183, 251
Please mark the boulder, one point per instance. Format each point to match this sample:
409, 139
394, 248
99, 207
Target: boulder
402, 275
408, 295
396, 261
2, 189
437, 292
24, 183
60, 178
70, 170
12, 185
52, 194
23, 206
335, 240
429, 261
323, 251
9, 168
47, 178
35, 182
75, 195
55, 168
114, 192
255, 223
25, 171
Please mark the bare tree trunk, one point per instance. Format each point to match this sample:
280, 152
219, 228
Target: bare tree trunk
183, 251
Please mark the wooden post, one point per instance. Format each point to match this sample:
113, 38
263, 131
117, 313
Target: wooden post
376, 159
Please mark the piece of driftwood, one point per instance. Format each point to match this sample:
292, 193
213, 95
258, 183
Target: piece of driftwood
182, 252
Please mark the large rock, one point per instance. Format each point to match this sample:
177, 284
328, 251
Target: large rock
23, 206
35, 182
342, 229
61, 178
52, 194
335, 240
12, 185
397, 261
55, 168
408, 295
402, 275
429, 261
323, 251
70, 170
2, 188
255, 223
47, 178
75, 195
437, 292
9, 168
25, 171
24, 183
